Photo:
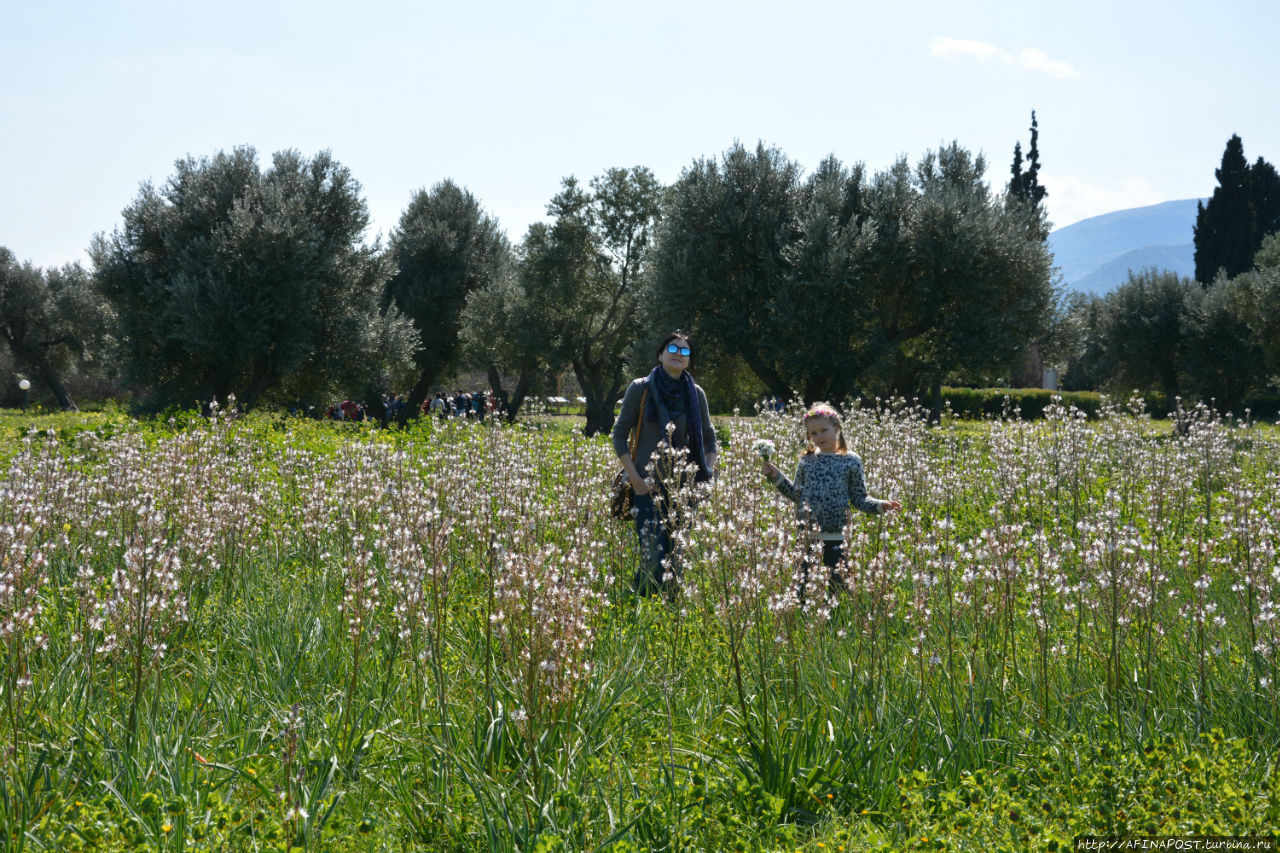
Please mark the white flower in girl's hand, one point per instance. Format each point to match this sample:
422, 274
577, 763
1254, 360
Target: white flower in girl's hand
765, 448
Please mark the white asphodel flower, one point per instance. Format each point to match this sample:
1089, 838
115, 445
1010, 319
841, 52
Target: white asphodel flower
765, 448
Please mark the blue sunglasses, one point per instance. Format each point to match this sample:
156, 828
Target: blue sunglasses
684, 351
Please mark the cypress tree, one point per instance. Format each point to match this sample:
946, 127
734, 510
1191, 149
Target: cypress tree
1225, 227
1018, 182
1024, 185
1264, 199
1032, 191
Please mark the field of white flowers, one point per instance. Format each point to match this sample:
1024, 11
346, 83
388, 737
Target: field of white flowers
241, 634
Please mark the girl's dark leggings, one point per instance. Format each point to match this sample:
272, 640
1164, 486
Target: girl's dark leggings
832, 559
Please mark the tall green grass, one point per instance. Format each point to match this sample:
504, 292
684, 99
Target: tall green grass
425, 639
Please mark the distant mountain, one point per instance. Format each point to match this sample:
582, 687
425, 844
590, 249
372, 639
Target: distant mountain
1178, 258
1095, 255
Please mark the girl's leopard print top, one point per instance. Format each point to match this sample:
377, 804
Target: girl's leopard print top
826, 485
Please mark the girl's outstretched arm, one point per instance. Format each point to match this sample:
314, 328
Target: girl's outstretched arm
793, 491
858, 496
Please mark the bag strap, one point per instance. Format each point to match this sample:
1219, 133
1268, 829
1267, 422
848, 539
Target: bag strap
635, 433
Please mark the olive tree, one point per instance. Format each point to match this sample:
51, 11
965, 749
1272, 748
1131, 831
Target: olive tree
587, 273
839, 284
231, 279
50, 321
503, 331
445, 248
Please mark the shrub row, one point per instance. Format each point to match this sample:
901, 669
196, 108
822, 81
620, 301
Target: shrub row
978, 403
1030, 402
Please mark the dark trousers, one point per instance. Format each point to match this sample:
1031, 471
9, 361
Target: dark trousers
653, 533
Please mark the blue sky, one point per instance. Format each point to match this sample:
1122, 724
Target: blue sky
1135, 100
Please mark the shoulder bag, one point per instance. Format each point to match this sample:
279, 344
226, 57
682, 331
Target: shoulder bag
622, 493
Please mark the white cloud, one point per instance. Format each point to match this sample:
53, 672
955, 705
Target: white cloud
1072, 199
1038, 60
946, 48
1029, 59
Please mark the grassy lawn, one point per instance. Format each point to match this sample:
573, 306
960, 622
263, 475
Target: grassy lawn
274, 633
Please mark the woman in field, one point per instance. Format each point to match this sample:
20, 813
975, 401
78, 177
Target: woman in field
666, 402
828, 481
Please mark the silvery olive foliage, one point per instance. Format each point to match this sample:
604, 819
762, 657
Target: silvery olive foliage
844, 282
444, 248
51, 322
234, 280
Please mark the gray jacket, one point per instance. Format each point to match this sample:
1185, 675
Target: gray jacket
650, 433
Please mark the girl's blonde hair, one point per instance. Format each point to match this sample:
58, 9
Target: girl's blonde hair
825, 410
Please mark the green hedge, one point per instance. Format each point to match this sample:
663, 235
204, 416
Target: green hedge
1031, 402
978, 403
1263, 407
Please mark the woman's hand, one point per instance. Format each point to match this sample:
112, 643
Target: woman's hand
888, 506
771, 471
638, 485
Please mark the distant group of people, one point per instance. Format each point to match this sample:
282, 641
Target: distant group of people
393, 406
347, 410
475, 405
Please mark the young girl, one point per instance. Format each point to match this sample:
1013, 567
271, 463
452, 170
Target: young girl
828, 481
